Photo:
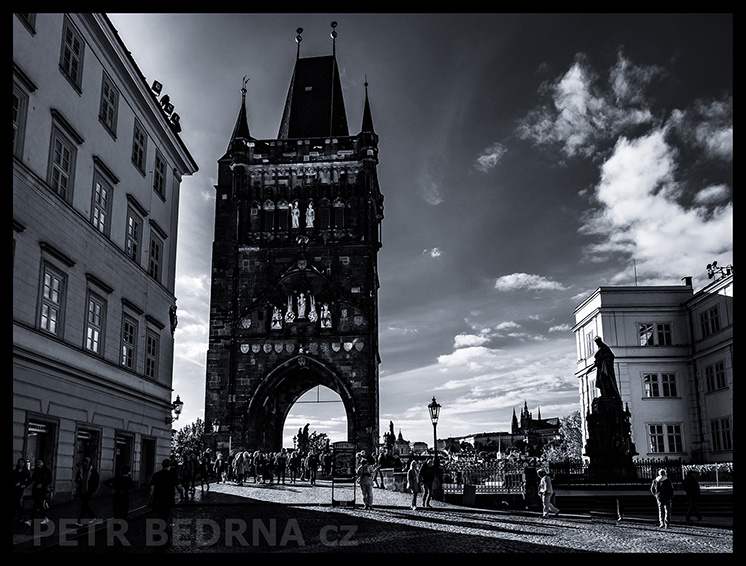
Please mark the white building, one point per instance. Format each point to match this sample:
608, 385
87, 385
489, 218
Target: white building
97, 167
673, 361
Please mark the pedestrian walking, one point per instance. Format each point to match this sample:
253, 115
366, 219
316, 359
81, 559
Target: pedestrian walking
163, 487
662, 489
188, 474
294, 465
205, 469
41, 480
219, 468
312, 465
281, 463
427, 477
545, 492
692, 491
256, 466
269, 467
413, 482
21, 479
86, 484
365, 479
377, 473
121, 483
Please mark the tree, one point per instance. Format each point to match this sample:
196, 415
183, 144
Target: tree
189, 439
569, 445
318, 441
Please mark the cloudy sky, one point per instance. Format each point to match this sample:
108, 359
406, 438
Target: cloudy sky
525, 160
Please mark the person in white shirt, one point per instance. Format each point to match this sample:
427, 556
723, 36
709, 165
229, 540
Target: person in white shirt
546, 491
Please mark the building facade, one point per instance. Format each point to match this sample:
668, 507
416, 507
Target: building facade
673, 363
294, 292
97, 167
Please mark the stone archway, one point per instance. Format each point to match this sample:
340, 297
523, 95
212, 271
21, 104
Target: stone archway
280, 389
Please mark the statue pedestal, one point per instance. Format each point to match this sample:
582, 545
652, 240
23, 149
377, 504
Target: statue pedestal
609, 446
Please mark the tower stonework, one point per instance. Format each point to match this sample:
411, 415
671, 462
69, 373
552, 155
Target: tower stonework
294, 296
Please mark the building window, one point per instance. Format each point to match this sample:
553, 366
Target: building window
721, 435
709, 321
139, 147
71, 59
52, 296
40, 443
663, 334
129, 341
715, 376
87, 444
109, 103
324, 218
159, 175
29, 20
655, 334
94, 324
269, 216
339, 214
134, 236
590, 345
62, 165
659, 384
101, 204
283, 217
151, 355
20, 110
665, 438
155, 260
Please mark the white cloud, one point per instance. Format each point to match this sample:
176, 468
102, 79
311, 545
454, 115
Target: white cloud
519, 281
707, 125
490, 157
583, 114
400, 330
640, 216
712, 194
467, 340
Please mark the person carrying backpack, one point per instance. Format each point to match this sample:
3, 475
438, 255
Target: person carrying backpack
662, 489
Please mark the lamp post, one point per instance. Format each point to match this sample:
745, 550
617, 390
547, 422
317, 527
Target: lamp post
176, 407
434, 409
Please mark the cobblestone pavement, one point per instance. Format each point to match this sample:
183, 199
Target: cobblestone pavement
300, 518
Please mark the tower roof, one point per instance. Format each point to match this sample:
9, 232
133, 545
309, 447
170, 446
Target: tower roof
367, 116
315, 105
241, 129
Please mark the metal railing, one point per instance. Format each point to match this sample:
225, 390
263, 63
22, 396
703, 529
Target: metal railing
503, 476
575, 473
510, 476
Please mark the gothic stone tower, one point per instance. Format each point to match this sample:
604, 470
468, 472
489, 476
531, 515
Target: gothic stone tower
294, 298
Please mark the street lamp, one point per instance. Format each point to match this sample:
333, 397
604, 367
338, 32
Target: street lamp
176, 407
434, 409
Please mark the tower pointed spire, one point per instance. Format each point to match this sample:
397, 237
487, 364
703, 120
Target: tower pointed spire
298, 39
367, 116
333, 35
241, 129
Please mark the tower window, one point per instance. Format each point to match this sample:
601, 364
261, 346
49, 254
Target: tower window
325, 220
269, 219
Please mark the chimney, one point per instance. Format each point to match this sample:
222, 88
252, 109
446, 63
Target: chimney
687, 281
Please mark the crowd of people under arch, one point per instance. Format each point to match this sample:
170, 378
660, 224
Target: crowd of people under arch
264, 467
